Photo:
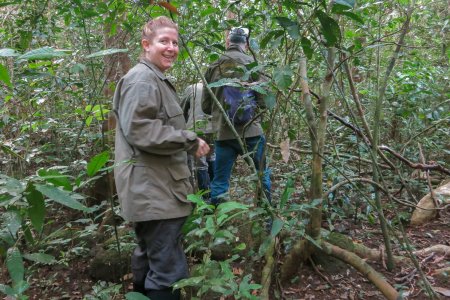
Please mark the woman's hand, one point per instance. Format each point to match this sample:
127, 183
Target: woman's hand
203, 148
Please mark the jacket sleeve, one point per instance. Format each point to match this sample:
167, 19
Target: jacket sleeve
142, 122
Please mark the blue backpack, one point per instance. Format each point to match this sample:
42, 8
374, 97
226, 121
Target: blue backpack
239, 104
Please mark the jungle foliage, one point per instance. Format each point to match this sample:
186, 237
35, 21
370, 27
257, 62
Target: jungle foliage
344, 80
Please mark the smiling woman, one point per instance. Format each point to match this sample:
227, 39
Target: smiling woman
160, 43
151, 173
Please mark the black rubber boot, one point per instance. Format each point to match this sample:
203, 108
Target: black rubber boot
166, 294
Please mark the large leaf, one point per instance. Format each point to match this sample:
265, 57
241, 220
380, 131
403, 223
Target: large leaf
8, 52
226, 207
97, 162
277, 225
41, 258
290, 26
330, 28
55, 177
44, 53
270, 36
12, 221
11, 185
270, 100
4, 76
288, 190
225, 81
283, 77
36, 210
14, 263
107, 52
61, 196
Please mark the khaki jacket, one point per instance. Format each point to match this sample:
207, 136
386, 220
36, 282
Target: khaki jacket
191, 104
229, 65
151, 173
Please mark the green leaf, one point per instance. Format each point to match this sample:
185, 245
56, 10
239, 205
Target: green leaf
14, 264
283, 77
353, 16
8, 52
270, 36
4, 76
21, 287
10, 3
6, 289
97, 162
226, 207
41, 258
56, 178
240, 247
307, 47
36, 210
225, 81
135, 296
61, 196
290, 26
44, 53
107, 52
277, 225
11, 185
270, 100
330, 28
288, 190
191, 281
13, 222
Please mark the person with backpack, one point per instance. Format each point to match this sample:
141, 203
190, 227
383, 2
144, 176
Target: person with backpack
240, 104
199, 122
151, 170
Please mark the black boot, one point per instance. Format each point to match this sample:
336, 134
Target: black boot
166, 294
139, 288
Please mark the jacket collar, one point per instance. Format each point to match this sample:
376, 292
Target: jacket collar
235, 47
154, 68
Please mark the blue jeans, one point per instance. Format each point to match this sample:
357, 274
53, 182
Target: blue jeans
226, 154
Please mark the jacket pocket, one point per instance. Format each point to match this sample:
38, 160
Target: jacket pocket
181, 186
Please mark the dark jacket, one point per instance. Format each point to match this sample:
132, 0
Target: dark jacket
151, 173
229, 65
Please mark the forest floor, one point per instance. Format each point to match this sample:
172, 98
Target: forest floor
316, 279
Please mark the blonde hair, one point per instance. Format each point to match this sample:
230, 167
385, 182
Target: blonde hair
160, 22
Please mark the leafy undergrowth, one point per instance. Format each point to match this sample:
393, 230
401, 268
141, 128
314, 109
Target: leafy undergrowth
315, 280
319, 278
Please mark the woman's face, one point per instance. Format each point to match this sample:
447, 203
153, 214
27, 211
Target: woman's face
162, 49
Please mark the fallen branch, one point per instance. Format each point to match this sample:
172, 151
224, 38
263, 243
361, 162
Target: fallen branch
424, 167
444, 272
301, 151
362, 251
440, 249
359, 264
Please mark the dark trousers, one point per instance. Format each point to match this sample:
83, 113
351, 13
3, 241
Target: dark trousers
159, 260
